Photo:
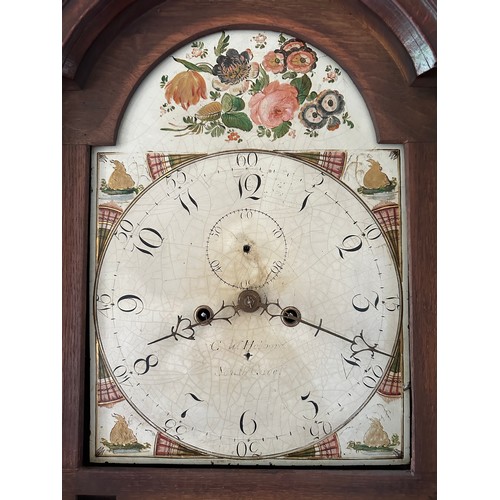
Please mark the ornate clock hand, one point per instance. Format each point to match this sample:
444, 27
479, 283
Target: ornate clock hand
203, 316
291, 316
176, 331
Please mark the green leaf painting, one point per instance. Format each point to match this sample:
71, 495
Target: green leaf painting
269, 91
237, 120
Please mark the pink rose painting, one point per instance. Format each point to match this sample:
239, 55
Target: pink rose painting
272, 93
277, 103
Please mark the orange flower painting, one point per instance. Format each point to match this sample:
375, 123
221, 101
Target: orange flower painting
270, 92
186, 89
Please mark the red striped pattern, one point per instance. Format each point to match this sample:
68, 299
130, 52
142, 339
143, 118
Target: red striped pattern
391, 386
165, 447
333, 162
158, 164
328, 447
108, 215
108, 392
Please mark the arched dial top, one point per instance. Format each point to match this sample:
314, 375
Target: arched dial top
247, 305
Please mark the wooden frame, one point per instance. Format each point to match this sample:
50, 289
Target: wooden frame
388, 48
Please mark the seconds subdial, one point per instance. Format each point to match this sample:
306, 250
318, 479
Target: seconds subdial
246, 248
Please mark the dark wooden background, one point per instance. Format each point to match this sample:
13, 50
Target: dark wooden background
388, 47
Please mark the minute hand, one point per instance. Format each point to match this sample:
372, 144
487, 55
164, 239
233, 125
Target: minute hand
292, 317
358, 343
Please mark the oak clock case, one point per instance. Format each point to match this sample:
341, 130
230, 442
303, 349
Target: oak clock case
248, 306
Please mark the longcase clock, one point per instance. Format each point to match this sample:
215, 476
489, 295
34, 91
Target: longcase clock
256, 264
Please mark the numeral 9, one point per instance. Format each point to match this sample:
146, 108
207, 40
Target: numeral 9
129, 303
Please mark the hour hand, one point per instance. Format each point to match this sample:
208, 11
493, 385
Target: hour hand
183, 329
203, 315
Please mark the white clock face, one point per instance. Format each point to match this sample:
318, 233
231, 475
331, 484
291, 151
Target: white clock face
247, 305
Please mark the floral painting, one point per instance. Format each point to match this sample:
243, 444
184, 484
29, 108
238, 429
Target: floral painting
243, 90
227, 92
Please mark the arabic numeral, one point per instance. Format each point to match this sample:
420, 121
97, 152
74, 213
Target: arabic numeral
277, 266
320, 428
372, 232
362, 303
248, 159
215, 266
304, 203
103, 303
174, 428
126, 230
191, 404
130, 303
374, 373
314, 405
170, 424
187, 202
143, 365
216, 231
121, 374
246, 214
243, 449
148, 237
391, 303
247, 425
175, 180
248, 186
351, 243
352, 362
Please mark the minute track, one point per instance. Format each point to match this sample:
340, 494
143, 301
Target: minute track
200, 305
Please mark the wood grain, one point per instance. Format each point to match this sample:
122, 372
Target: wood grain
92, 22
109, 52
139, 46
75, 223
419, 43
421, 174
258, 484
406, 28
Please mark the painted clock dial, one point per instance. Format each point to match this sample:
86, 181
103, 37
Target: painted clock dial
247, 304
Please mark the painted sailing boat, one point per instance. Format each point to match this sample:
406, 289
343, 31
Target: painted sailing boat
122, 439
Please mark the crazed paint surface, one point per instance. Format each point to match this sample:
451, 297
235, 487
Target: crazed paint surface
250, 90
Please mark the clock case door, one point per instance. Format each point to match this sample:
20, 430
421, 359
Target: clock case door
108, 47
